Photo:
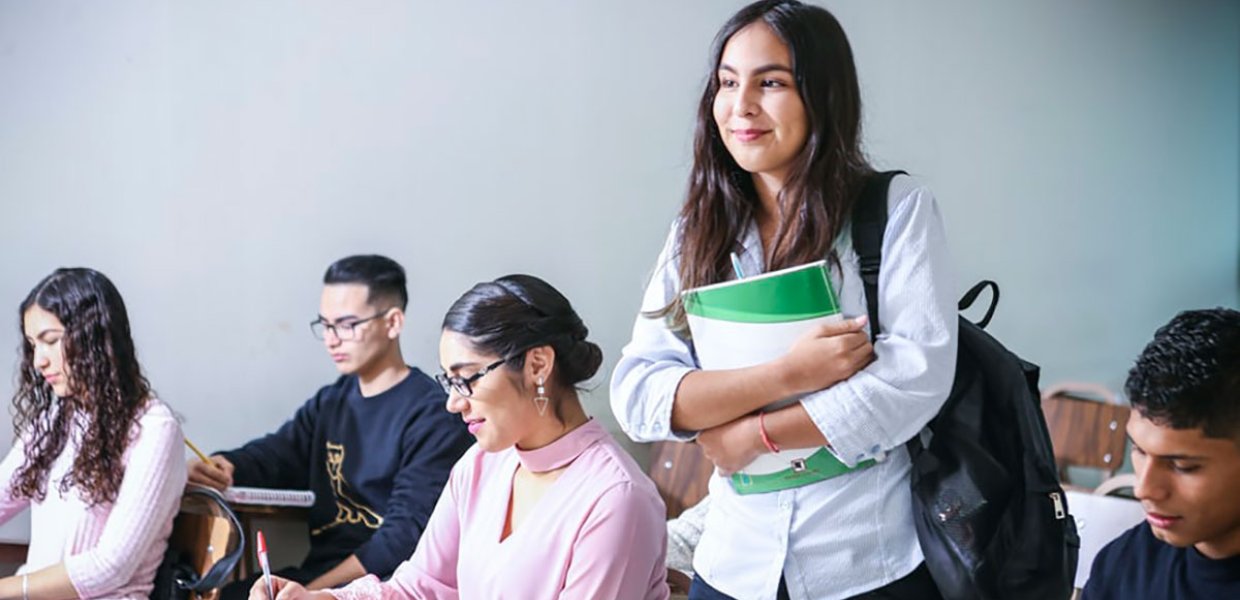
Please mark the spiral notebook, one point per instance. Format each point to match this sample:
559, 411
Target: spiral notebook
269, 497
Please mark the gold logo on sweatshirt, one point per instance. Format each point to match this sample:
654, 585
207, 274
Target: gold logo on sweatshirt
348, 510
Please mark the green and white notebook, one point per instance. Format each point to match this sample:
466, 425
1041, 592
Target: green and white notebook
750, 321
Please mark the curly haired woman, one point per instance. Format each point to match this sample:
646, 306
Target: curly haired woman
96, 456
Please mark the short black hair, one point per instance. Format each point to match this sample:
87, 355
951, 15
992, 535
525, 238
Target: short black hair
383, 277
1188, 377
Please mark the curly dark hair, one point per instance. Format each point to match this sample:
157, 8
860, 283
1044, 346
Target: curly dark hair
1188, 377
107, 390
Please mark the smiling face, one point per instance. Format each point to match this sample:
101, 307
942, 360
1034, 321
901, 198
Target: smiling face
45, 334
1189, 485
757, 109
498, 411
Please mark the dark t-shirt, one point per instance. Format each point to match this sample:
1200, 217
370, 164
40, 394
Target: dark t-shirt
1139, 566
376, 466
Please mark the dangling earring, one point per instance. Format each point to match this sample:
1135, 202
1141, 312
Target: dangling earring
541, 399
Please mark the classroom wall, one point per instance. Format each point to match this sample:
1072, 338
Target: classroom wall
214, 157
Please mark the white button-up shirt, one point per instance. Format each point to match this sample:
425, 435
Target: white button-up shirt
853, 533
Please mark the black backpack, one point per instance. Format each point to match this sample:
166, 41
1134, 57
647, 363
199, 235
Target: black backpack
176, 578
991, 516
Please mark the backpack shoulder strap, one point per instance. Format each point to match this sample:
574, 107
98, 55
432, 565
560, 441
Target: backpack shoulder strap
869, 222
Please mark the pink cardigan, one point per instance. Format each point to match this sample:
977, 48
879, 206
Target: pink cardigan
110, 550
599, 531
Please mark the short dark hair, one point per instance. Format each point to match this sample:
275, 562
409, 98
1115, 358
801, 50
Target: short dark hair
1188, 377
383, 277
512, 314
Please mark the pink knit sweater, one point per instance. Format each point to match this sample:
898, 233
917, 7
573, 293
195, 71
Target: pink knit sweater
112, 550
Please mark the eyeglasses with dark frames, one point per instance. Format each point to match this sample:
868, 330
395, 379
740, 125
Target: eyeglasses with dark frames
343, 330
464, 385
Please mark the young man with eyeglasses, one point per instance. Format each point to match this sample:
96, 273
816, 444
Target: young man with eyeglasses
375, 447
1185, 433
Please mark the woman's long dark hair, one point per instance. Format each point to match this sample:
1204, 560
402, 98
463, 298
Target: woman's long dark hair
106, 387
824, 178
512, 314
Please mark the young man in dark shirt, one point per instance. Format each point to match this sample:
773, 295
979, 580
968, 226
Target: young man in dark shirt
375, 447
1185, 432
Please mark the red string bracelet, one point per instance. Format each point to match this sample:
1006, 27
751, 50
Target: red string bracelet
766, 439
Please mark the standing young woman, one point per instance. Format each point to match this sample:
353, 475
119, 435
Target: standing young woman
777, 169
546, 505
96, 456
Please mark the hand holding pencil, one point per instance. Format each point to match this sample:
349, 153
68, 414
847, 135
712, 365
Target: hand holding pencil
211, 471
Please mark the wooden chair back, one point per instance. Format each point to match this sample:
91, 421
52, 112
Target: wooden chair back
681, 472
1087, 426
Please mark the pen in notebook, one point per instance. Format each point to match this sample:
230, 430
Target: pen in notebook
262, 562
736, 266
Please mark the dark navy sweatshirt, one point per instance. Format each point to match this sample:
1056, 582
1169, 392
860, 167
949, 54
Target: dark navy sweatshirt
376, 466
1139, 566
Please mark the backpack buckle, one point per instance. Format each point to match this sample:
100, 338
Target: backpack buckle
869, 266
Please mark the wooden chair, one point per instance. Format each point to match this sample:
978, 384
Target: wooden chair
204, 535
681, 472
1087, 426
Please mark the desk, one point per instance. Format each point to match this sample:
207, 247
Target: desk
206, 535
203, 534
247, 513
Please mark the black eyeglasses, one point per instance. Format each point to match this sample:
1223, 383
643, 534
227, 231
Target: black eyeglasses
464, 385
343, 331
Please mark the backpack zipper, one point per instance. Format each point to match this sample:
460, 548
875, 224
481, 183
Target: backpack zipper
1060, 513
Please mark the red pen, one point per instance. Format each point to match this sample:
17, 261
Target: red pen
262, 562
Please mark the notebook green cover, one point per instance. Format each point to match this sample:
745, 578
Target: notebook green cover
754, 320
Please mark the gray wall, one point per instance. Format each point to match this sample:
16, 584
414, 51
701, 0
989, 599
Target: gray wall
214, 157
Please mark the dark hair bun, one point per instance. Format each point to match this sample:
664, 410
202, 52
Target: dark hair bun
514, 313
580, 362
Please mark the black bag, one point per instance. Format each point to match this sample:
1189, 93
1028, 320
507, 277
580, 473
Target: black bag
176, 577
991, 517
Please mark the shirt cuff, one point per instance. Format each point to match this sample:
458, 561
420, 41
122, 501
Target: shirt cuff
360, 589
656, 423
845, 420
78, 571
371, 558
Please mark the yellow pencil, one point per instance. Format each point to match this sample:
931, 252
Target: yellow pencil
198, 452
